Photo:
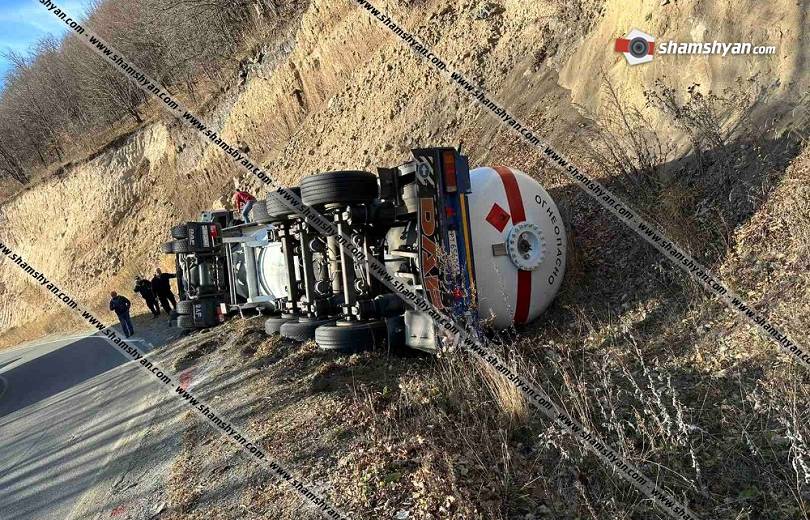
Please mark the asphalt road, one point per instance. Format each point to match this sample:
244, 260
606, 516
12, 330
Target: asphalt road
73, 415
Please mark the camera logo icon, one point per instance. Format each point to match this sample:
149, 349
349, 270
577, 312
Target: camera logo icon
637, 46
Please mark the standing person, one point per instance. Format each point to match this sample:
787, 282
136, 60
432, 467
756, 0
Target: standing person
144, 288
163, 290
244, 202
121, 305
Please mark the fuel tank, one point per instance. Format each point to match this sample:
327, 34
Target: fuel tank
518, 243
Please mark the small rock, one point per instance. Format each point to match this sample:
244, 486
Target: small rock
402, 515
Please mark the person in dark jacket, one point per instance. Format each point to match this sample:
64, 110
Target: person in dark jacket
121, 305
144, 288
163, 290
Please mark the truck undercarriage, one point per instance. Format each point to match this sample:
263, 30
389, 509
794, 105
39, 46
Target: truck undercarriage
424, 220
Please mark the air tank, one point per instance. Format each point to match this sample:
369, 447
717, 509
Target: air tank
519, 245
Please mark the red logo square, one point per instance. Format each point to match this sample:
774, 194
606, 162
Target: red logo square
498, 217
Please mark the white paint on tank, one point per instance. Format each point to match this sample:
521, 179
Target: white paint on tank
272, 271
519, 245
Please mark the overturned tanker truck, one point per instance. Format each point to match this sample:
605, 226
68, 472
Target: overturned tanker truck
485, 245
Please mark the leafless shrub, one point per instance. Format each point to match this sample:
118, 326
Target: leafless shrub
626, 145
709, 120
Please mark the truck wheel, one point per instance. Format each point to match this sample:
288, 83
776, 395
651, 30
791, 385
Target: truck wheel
185, 322
339, 187
182, 246
273, 325
303, 329
350, 337
180, 231
167, 248
259, 212
185, 306
277, 209
207, 314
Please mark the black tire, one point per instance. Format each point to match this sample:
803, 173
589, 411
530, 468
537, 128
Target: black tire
345, 187
185, 306
350, 337
207, 315
167, 248
182, 246
185, 322
277, 209
180, 231
273, 325
303, 329
259, 212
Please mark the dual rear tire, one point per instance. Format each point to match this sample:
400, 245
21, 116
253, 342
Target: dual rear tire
273, 325
180, 246
349, 337
340, 187
180, 231
197, 314
302, 329
276, 209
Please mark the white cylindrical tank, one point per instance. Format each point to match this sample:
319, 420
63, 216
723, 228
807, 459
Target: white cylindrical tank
519, 245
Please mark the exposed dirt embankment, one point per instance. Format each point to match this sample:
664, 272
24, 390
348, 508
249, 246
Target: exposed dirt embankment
82, 228
781, 23
93, 228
